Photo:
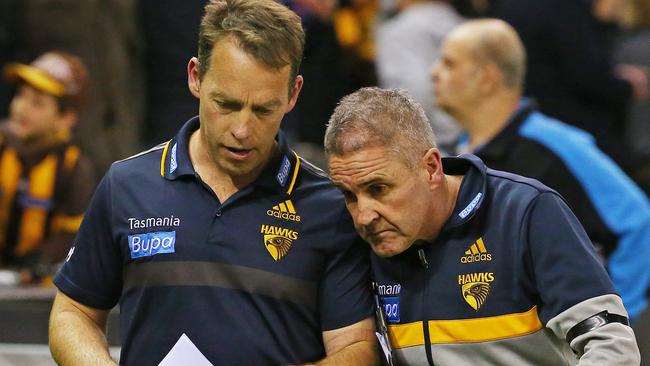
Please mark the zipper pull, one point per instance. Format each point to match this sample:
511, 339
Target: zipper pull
423, 258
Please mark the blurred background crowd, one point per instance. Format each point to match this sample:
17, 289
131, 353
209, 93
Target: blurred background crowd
588, 65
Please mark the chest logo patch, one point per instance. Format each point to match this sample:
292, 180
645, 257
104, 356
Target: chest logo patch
277, 240
148, 244
476, 253
284, 210
475, 288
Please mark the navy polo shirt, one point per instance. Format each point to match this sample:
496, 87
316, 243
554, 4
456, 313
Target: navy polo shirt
250, 281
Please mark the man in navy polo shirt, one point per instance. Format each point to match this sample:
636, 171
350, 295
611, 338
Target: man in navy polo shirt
221, 246
473, 266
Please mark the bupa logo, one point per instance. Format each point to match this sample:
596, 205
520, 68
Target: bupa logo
390, 304
283, 172
391, 309
148, 244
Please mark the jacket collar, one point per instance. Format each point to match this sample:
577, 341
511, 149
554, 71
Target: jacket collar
471, 194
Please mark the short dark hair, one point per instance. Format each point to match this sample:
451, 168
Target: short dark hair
265, 29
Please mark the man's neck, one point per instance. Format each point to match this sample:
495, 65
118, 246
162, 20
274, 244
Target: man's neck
487, 119
445, 203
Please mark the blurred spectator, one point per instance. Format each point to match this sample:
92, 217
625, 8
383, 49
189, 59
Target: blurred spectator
407, 45
570, 68
45, 182
103, 35
6, 38
170, 31
634, 48
472, 8
331, 71
324, 69
354, 21
479, 81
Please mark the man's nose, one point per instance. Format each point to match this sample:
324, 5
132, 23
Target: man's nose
366, 212
243, 126
433, 72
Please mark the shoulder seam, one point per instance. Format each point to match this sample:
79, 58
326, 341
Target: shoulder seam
155, 148
313, 168
538, 189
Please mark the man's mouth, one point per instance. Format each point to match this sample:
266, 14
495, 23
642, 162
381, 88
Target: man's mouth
239, 153
379, 234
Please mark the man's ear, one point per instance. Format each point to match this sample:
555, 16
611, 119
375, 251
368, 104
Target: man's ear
491, 78
297, 86
432, 163
193, 80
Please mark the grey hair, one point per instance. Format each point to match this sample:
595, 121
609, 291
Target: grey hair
375, 117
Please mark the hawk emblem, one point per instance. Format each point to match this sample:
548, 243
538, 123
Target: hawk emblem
475, 293
277, 245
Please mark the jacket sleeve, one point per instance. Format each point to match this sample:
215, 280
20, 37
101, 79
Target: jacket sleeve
573, 285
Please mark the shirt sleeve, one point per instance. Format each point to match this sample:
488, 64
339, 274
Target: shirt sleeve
345, 292
573, 285
92, 272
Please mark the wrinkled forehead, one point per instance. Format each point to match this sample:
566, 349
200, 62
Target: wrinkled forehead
356, 168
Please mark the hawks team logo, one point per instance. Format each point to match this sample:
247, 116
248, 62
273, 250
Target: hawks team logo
475, 288
278, 241
476, 293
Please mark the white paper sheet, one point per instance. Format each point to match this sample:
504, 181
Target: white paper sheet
185, 353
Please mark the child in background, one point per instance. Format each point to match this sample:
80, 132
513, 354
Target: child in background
45, 182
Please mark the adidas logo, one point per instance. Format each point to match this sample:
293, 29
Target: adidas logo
284, 210
476, 253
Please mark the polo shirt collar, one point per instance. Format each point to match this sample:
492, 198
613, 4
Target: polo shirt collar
280, 174
175, 161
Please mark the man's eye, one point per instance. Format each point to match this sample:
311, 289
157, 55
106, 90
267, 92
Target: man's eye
348, 196
263, 112
225, 106
377, 189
